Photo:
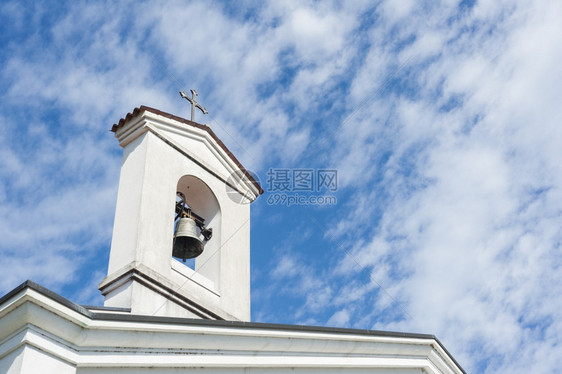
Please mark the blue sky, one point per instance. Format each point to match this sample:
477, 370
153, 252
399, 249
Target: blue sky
442, 120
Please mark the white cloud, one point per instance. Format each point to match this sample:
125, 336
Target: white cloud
474, 240
314, 35
339, 319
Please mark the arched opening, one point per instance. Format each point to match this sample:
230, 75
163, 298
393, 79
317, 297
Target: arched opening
202, 201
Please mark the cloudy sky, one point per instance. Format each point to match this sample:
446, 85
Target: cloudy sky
442, 120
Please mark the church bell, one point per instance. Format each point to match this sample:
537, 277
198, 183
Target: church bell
187, 243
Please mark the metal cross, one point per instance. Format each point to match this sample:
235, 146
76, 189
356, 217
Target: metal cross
194, 104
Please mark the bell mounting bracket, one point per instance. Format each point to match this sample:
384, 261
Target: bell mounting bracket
182, 210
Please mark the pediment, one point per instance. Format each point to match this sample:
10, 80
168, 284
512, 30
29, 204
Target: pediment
195, 141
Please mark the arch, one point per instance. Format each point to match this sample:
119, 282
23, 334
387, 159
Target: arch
199, 197
202, 201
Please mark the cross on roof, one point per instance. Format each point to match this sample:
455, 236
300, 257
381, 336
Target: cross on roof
194, 104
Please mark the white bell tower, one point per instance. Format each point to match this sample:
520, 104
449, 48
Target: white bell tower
162, 155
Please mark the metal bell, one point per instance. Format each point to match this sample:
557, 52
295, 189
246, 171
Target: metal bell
187, 243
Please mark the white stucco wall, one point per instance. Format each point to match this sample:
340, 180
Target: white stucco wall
158, 154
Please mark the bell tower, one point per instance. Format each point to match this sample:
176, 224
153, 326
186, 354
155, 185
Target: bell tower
176, 170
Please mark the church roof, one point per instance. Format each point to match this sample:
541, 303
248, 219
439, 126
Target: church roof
99, 317
206, 128
121, 314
